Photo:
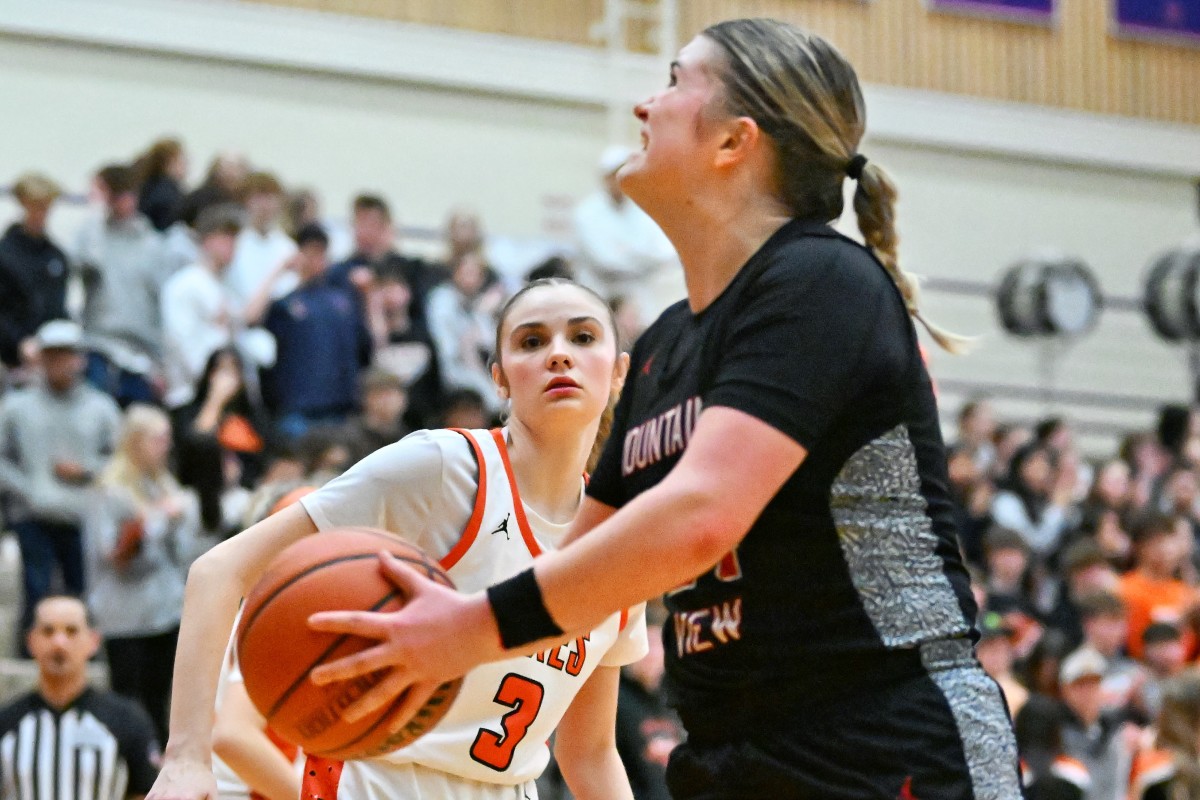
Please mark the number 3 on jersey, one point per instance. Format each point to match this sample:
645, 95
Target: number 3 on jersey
524, 696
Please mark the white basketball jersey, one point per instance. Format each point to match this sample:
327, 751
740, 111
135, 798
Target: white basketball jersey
497, 729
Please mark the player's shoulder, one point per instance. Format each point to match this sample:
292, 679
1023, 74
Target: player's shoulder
805, 249
667, 322
420, 450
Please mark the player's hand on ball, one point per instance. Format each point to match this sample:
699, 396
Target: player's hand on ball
439, 635
184, 779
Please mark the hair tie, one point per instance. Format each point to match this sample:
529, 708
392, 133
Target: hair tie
855, 168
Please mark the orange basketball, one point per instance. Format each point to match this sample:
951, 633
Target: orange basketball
336, 570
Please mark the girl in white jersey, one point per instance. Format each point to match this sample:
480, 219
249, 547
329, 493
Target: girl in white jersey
485, 503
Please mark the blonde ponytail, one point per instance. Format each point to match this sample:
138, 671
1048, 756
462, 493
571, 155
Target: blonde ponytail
875, 205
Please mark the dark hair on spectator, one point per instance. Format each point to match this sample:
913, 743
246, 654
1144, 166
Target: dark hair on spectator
312, 233
1173, 421
200, 458
1101, 604
552, 267
1081, 555
295, 211
314, 445
373, 202
1151, 526
462, 398
87, 612
392, 271
119, 179
970, 407
998, 537
155, 161
1050, 650
1034, 502
224, 218
1160, 633
1038, 727
261, 183
1046, 428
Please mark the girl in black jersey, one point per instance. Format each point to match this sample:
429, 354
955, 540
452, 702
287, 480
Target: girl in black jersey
776, 468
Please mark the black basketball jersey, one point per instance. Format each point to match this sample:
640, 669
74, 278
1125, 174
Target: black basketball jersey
854, 563
100, 747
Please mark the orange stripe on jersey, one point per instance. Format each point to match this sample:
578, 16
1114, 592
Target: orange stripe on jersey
321, 779
287, 748
624, 619
472, 530
518, 506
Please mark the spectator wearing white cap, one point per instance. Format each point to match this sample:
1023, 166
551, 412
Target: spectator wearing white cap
55, 435
622, 251
33, 271
1101, 741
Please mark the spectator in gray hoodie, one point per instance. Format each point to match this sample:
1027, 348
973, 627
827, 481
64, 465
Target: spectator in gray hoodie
55, 436
124, 263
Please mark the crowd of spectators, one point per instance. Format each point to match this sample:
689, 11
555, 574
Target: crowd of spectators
1086, 573
228, 345
193, 353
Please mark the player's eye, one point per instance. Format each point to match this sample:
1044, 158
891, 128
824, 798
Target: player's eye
530, 342
584, 337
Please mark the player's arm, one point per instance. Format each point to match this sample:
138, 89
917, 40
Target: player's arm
590, 515
216, 583
679, 529
240, 739
585, 742
665, 537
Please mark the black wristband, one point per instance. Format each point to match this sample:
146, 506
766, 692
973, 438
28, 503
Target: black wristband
520, 612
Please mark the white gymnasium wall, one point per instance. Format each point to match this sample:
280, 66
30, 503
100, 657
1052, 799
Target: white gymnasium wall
436, 119
427, 149
969, 216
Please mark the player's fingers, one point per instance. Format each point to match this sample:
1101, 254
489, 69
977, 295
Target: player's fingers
404, 577
387, 691
352, 666
415, 712
368, 624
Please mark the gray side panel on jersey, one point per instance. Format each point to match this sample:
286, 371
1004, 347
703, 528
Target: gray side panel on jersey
989, 747
889, 546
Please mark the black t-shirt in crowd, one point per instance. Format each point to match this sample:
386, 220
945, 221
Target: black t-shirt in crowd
100, 746
854, 563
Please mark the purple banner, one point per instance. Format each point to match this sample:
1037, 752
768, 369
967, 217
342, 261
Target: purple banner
1041, 11
1175, 19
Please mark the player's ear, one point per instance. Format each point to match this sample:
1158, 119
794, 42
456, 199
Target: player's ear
620, 371
500, 380
94, 642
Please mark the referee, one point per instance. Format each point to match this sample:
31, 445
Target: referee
66, 739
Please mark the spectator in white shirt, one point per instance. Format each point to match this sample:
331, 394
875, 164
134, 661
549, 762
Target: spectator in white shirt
200, 313
462, 319
621, 249
262, 245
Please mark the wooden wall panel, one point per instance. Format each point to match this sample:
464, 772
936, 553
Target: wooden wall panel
1074, 64
555, 20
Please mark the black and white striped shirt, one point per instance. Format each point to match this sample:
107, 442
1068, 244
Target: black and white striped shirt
100, 747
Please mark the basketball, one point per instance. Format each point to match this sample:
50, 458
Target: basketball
336, 570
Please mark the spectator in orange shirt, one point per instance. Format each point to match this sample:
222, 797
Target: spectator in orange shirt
1151, 591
